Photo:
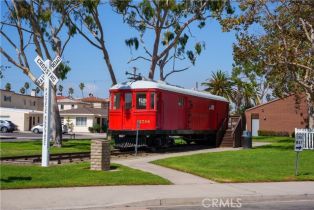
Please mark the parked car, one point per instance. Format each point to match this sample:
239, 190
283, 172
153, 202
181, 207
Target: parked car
7, 126
39, 128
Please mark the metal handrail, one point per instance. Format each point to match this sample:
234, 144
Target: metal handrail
236, 132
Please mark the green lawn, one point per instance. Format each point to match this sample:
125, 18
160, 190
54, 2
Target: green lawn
9, 149
69, 175
274, 162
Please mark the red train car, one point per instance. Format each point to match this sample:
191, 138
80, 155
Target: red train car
159, 111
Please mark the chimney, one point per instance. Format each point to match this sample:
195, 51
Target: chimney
33, 92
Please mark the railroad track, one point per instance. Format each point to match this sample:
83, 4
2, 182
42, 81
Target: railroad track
82, 156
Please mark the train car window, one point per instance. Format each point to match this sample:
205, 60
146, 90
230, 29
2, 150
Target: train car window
141, 101
128, 101
181, 102
116, 101
152, 101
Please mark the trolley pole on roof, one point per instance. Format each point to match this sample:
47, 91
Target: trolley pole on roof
136, 140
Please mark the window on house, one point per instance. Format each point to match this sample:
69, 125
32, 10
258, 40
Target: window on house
34, 103
38, 119
61, 106
62, 120
24, 102
140, 100
7, 98
128, 101
116, 101
81, 121
72, 106
152, 101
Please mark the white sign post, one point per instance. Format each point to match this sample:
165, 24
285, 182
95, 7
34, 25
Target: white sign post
47, 78
298, 147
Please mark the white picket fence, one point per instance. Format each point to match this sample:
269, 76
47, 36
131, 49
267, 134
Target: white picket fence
308, 137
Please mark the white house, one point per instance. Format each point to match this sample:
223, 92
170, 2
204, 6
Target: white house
23, 110
81, 119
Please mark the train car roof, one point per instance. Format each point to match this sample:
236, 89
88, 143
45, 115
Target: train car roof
148, 84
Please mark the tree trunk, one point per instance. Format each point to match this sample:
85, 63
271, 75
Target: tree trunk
56, 126
107, 59
310, 103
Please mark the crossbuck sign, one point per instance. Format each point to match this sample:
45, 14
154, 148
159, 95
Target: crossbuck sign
47, 78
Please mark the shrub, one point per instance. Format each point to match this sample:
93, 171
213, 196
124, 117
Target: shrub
273, 133
95, 129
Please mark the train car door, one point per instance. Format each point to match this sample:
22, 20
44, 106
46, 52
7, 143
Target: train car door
126, 111
181, 112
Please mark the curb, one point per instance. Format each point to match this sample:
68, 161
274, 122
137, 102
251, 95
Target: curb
198, 201
7, 137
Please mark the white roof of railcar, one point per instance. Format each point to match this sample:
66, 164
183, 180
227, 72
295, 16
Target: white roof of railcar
144, 84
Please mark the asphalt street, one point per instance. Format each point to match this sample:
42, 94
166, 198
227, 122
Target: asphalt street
265, 205
25, 136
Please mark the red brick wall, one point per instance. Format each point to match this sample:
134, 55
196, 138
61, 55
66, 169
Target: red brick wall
280, 115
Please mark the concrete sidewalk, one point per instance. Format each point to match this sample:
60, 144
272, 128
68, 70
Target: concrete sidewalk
110, 196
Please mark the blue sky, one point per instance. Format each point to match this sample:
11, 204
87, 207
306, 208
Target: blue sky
89, 67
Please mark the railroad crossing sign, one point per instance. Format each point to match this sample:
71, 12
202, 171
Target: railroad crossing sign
44, 66
47, 78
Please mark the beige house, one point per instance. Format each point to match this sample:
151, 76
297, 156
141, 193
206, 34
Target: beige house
70, 103
80, 114
23, 110
81, 119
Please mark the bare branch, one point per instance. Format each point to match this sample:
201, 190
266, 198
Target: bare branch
175, 71
84, 35
139, 57
10, 24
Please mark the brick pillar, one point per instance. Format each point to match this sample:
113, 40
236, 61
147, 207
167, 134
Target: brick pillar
100, 155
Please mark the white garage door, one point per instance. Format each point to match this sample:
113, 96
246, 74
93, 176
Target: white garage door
255, 127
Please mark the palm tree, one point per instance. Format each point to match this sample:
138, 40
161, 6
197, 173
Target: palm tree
245, 95
220, 84
26, 86
8, 86
60, 88
22, 90
70, 92
37, 90
82, 86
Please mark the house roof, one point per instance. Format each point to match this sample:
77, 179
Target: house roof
85, 111
272, 101
71, 101
19, 94
61, 97
93, 99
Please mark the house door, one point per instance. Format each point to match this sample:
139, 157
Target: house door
255, 127
126, 111
30, 123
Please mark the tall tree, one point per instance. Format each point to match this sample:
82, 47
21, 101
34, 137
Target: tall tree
168, 22
22, 90
8, 86
282, 46
82, 86
38, 25
86, 16
26, 86
70, 92
60, 88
